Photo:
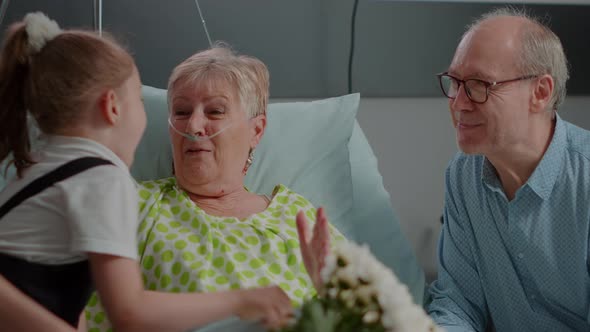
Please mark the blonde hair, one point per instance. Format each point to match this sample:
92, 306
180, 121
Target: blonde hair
55, 85
541, 51
247, 75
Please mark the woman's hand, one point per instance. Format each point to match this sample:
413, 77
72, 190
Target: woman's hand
270, 306
314, 247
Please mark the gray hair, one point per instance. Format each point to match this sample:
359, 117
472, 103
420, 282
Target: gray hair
541, 52
247, 75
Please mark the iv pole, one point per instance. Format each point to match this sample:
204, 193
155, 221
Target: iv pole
97, 19
204, 24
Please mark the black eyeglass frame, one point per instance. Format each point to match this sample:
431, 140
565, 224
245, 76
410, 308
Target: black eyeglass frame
487, 84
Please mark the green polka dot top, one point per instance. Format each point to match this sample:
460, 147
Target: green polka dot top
183, 249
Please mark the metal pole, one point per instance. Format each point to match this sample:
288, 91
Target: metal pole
204, 24
100, 17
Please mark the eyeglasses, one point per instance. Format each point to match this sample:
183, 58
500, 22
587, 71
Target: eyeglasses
477, 90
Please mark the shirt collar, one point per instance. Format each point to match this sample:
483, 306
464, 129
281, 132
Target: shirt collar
79, 146
545, 174
490, 177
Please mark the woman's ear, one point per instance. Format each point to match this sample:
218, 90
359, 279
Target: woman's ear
259, 125
542, 93
109, 105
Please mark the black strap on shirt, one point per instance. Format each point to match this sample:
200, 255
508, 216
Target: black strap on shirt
62, 289
59, 174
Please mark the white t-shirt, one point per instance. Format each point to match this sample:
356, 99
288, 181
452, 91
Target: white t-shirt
93, 211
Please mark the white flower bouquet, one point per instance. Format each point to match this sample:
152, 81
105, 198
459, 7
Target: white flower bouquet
360, 294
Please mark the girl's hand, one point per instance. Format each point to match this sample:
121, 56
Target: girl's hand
270, 306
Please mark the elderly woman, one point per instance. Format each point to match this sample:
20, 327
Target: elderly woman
202, 230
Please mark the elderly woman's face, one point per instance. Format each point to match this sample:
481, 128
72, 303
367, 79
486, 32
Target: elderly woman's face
203, 110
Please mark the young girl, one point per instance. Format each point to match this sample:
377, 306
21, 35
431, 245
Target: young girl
70, 215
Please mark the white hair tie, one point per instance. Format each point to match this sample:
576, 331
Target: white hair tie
40, 29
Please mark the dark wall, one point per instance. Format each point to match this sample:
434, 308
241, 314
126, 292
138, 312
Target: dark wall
305, 43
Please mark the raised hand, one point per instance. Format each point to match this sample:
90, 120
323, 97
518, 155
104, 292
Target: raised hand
314, 246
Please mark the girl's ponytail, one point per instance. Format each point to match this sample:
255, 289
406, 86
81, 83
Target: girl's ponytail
14, 83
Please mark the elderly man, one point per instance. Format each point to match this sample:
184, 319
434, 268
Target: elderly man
513, 253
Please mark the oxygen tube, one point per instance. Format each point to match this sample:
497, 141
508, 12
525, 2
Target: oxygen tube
197, 138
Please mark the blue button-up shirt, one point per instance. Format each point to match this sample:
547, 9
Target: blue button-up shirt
519, 265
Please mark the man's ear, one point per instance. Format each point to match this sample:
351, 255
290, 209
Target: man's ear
542, 93
110, 108
259, 126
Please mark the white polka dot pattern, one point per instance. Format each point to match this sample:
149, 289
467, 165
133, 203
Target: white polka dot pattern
183, 249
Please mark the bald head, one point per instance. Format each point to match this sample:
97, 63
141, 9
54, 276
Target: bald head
491, 48
501, 31
508, 41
